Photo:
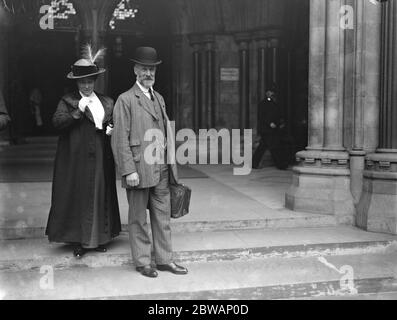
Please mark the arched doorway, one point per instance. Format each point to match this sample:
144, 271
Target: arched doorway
38, 61
148, 25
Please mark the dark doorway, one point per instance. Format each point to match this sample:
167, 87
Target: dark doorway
151, 26
40, 61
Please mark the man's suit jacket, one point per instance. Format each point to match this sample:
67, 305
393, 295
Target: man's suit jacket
133, 115
268, 112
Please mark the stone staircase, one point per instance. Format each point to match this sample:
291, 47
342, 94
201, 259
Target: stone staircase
35, 150
238, 242
234, 264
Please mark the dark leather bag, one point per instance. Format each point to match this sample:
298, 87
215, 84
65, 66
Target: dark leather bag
180, 198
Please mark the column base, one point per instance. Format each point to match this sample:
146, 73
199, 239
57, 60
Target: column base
321, 184
377, 209
357, 159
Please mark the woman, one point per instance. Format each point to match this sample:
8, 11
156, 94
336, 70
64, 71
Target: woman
84, 207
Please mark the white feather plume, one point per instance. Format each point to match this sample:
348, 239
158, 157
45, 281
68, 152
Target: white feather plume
88, 54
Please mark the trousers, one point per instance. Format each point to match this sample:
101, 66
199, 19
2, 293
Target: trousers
157, 200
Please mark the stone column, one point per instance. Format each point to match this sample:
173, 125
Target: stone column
243, 41
365, 99
378, 203
276, 67
176, 79
210, 87
197, 83
321, 181
357, 152
273, 74
262, 63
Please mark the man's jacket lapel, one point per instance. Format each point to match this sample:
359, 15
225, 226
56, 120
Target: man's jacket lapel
144, 102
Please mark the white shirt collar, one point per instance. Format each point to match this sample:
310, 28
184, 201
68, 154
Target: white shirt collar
144, 90
91, 96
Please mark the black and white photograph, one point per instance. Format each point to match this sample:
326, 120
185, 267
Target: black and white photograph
206, 151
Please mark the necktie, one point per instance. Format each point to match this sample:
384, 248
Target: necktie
151, 94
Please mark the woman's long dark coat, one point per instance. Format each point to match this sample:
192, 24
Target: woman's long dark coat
72, 205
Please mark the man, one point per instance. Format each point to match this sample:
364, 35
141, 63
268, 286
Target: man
136, 112
269, 124
4, 118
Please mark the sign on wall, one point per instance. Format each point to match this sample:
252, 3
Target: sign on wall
229, 74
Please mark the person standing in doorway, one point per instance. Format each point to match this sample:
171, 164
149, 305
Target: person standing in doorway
270, 124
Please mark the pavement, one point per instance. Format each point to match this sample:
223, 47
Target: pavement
238, 242
220, 201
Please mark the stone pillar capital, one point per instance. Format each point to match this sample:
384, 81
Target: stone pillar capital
271, 38
208, 38
273, 33
323, 159
203, 41
384, 161
243, 39
260, 35
194, 39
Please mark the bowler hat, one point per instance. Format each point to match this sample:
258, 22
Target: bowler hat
84, 68
146, 56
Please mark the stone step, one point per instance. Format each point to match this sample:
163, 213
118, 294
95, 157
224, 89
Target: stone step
33, 228
27, 160
238, 245
27, 155
214, 207
272, 278
40, 153
29, 147
41, 140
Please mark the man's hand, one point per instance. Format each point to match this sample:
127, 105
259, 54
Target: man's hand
132, 179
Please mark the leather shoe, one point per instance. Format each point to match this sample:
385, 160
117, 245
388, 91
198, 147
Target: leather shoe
79, 251
147, 271
172, 267
101, 248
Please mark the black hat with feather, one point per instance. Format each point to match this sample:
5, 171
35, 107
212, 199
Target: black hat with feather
86, 66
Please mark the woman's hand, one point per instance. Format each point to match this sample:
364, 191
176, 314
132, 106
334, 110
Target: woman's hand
83, 103
109, 130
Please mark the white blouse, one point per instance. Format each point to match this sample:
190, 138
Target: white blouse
96, 108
